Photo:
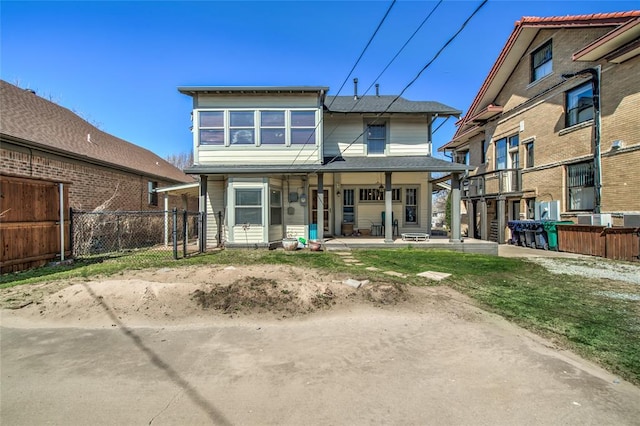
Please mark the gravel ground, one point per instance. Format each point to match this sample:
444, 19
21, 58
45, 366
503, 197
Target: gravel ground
593, 268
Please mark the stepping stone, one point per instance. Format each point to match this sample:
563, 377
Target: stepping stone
395, 274
350, 260
359, 264
344, 253
372, 268
435, 276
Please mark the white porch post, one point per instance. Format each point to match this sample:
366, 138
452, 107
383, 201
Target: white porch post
203, 213
388, 209
320, 207
471, 218
429, 211
455, 207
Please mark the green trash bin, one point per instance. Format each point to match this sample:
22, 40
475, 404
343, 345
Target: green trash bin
552, 232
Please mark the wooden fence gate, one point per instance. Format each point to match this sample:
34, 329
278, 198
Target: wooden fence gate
30, 215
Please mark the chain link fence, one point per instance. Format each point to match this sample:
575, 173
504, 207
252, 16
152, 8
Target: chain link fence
145, 234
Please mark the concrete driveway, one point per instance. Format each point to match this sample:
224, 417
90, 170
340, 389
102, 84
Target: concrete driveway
444, 362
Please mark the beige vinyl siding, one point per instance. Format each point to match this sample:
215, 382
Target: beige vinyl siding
275, 232
249, 235
405, 135
280, 100
215, 204
408, 136
258, 155
340, 132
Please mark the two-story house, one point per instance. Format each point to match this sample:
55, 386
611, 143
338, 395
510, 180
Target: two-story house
292, 161
556, 123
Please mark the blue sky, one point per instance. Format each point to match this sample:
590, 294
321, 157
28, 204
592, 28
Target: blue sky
118, 63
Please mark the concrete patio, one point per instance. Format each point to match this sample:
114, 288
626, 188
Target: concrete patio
466, 245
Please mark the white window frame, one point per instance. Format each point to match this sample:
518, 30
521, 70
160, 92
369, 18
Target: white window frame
416, 205
572, 95
248, 206
581, 188
545, 68
257, 127
384, 124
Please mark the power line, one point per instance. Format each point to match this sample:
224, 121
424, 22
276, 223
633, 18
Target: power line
345, 81
428, 64
364, 50
376, 79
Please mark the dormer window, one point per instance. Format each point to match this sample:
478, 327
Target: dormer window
541, 62
376, 139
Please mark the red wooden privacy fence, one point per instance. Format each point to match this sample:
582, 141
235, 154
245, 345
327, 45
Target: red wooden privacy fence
612, 243
30, 222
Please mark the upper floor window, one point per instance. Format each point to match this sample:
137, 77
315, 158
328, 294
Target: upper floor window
579, 104
272, 127
376, 138
303, 127
507, 153
263, 127
580, 185
541, 61
241, 128
529, 149
462, 157
211, 127
483, 153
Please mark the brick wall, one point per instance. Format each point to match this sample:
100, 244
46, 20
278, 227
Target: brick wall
92, 186
536, 112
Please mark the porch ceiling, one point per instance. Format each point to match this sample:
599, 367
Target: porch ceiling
341, 164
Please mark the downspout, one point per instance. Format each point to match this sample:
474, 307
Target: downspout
597, 160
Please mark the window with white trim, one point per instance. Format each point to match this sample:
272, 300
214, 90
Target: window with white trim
303, 127
541, 61
257, 127
275, 204
377, 194
376, 138
348, 206
411, 206
272, 128
211, 127
507, 153
248, 208
580, 186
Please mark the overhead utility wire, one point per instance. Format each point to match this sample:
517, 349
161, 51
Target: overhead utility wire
364, 50
453, 37
347, 78
378, 77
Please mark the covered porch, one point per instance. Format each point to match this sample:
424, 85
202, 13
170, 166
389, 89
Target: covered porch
377, 196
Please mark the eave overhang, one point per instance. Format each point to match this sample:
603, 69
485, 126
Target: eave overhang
616, 46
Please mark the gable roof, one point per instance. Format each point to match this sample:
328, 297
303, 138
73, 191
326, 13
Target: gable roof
29, 119
516, 46
383, 103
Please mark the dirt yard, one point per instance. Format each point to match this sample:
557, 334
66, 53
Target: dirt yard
166, 296
267, 345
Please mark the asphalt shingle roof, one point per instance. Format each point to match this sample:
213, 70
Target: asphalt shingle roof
342, 164
28, 117
379, 104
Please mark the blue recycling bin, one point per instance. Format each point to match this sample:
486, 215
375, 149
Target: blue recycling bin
313, 232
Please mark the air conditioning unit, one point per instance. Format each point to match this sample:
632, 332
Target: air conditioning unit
603, 219
631, 220
547, 210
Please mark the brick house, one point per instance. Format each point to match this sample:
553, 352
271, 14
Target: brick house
40, 139
555, 121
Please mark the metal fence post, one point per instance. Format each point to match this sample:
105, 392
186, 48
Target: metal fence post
175, 233
118, 232
219, 233
71, 245
184, 233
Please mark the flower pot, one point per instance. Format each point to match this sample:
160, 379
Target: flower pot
315, 246
290, 244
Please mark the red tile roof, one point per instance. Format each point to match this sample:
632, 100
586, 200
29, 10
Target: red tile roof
28, 117
595, 19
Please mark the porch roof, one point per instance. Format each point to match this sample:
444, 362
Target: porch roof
340, 164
